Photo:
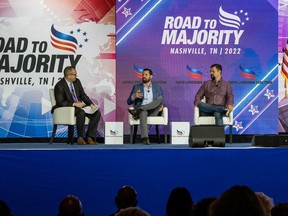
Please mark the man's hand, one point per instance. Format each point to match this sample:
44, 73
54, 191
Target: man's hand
138, 94
78, 104
230, 107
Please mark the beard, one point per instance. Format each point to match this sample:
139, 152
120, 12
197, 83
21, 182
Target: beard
144, 80
212, 77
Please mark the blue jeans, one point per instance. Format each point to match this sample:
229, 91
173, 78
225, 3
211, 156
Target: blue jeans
212, 110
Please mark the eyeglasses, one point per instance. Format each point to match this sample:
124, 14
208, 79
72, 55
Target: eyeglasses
74, 74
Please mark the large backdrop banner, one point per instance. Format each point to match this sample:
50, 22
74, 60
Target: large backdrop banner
38, 40
180, 40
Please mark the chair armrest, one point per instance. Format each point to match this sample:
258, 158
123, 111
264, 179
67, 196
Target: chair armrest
64, 115
165, 115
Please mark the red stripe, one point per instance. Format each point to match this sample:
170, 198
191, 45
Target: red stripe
63, 43
195, 76
62, 48
247, 76
138, 74
285, 62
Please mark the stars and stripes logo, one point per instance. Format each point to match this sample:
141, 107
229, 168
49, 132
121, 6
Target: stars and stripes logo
194, 73
247, 73
63, 41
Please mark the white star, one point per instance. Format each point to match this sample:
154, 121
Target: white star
247, 18
253, 109
241, 11
236, 12
126, 12
269, 94
246, 14
238, 125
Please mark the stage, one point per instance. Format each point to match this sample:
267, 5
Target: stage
36, 176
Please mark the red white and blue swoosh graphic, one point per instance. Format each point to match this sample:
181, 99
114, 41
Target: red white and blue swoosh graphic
138, 72
247, 73
63, 41
194, 73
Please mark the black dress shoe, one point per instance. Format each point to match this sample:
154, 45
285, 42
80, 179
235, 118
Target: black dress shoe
145, 141
135, 113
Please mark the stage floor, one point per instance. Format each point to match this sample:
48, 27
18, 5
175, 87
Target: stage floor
58, 146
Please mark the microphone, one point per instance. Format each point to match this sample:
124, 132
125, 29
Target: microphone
148, 91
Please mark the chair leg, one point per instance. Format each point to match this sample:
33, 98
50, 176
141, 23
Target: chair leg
230, 134
70, 134
157, 132
135, 133
131, 133
165, 131
53, 133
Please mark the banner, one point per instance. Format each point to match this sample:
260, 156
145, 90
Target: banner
180, 40
38, 40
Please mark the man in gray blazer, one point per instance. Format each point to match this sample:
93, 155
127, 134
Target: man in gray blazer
147, 100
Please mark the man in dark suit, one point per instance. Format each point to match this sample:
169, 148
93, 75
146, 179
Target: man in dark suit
69, 92
147, 100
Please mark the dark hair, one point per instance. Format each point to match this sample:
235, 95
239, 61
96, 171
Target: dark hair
68, 70
237, 201
179, 202
4, 209
126, 197
70, 206
218, 66
280, 210
148, 69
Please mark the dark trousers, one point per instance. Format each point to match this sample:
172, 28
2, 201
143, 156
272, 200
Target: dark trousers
92, 126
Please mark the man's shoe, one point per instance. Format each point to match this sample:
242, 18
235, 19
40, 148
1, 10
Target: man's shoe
90, 141
81, 141
146, 141
134, 113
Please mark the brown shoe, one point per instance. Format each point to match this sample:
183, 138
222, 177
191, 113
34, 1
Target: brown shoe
90, 141
81, 141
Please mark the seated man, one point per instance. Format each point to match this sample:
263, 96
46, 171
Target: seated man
218, 94
147, 100
69, 92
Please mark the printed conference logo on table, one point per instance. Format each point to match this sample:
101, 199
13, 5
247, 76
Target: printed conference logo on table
113, 132
180, 132
224, 27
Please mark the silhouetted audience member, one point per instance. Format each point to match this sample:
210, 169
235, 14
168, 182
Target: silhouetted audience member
179, 202
202, 207
70, 206
237, 201
126, 197
266, 202
132, 211
280, 210
4, 209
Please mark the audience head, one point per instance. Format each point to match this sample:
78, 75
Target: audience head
266, 202
179, 202
237, 201
202, 207
4, 209
70, 206
132, 211
280, 210
126, 197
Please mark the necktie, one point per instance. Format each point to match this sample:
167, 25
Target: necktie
73, 92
